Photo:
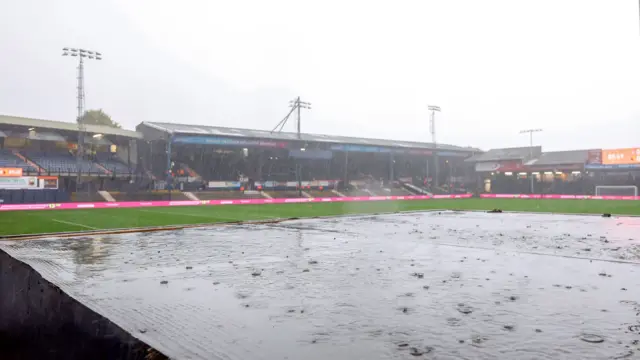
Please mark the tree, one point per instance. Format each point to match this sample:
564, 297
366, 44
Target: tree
98, 117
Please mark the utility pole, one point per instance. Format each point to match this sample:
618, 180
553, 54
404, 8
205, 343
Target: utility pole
299, 104
530, 132
295, 104
298, 123
432, 126
81, 54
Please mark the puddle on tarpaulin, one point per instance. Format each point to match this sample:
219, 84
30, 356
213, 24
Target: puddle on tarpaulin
430, 285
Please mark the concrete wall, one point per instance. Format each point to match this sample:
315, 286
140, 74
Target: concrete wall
38, 321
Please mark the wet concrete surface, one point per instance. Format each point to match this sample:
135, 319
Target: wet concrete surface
435, 285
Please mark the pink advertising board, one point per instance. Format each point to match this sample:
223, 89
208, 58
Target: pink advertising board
556, 196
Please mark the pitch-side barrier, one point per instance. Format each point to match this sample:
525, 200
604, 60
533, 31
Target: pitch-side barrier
556, 196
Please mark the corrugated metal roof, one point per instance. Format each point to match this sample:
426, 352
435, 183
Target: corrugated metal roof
561, 158
287, 136
67, 126
519, 153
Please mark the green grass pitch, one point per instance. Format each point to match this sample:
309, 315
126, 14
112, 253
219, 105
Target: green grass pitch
50, 221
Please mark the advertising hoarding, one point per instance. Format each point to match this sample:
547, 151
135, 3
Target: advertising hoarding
224, 184
614, 167
10, 172
211, 140
621, 156
294, 184
311, 154
28, 183
22, 182
594, 156
501, 166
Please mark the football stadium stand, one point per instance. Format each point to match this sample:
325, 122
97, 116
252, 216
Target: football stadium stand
162, 161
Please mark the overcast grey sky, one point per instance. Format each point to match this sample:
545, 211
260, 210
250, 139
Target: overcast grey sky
571, 67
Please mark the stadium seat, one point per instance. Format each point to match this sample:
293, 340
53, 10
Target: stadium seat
62, 163
9, 160
113, 164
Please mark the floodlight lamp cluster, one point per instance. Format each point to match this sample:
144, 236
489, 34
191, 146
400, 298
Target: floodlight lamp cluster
300, 104
530, 131
82, 53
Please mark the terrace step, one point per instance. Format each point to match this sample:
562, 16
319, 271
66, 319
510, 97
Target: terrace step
416, 190
306, 194
190, 195
265, 195
338, 193
369, 192
106, 195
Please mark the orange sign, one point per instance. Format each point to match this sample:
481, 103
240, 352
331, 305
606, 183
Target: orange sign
10, 172
621, 156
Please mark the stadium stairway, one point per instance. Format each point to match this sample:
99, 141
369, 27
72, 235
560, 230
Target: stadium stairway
31, 163
415, 190
265, 195
99, 166
105, 195
371, 193
337, 193
190, 195
306, 194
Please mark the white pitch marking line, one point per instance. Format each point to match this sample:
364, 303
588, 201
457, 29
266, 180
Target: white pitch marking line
75, 224
198, 215
211, 217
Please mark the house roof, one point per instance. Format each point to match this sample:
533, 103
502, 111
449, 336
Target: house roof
519, 153
288, 136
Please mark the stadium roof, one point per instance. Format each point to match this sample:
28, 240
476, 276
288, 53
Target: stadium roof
288, 136
561, 158
39, 135
67, 126
519, 153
